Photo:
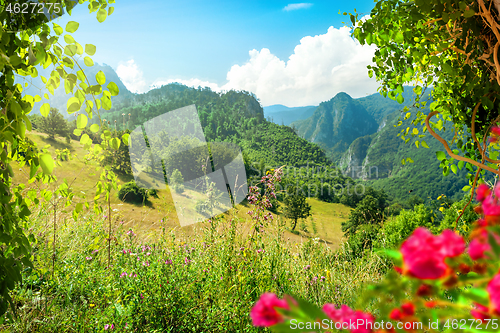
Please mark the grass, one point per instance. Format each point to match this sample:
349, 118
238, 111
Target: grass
164, 278
204, 282
160, 212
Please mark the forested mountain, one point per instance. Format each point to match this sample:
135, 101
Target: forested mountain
283, 115
336, 123
232, 116
60, 97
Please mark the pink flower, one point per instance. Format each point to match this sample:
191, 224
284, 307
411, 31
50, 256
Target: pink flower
124, 274
264, 313
424, 253
480, 312
88, 258
494, 291
482, 192
358, 321
480, 244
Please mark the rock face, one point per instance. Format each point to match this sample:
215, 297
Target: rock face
336, 123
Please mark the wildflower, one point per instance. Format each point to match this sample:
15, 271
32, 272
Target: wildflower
482, 192
130, 233
264, 311
168, 262
88, 258
307, 267
146, 263
479, 244
186, 261
424, 253
494, 292
91, 305
480, 312
142, 296
351, 317
124, 274
95, 251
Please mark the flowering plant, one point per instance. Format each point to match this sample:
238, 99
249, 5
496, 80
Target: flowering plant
438, 284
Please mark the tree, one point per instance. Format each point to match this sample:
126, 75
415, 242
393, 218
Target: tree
296, 206
54, 124
27, 41
177, 181
452, 46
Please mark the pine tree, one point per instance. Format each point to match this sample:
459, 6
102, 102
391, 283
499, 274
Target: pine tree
54, 124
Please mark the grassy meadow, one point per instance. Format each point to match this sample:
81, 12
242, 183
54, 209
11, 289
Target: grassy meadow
164, 278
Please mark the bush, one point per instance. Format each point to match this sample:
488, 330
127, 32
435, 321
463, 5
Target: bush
177, 181
130, 192
201, 206
396, 230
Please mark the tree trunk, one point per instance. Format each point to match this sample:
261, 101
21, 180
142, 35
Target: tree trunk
294, 225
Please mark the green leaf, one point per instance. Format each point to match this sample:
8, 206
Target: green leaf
81, 121
111, 10
90, 49
57, 29
47, 163
73, 105
45, 109
85, 137
454, 168
88, 62
72, 26
115, 143
461, 164
70, 50
101, 15
77, 132
126, 138
440, 155
469, 13
400, 99
113, 88
69, 39
399, 38
94, 128
424, 144
100, 78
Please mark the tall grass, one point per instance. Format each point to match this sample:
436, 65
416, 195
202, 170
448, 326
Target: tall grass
168, 281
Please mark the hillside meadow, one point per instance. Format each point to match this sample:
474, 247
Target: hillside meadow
164, 278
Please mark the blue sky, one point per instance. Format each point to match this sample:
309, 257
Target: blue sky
285, 52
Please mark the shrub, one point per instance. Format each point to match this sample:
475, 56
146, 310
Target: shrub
177, 181
130, 192
201, 206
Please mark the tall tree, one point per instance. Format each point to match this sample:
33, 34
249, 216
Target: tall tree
54, 124
296, 206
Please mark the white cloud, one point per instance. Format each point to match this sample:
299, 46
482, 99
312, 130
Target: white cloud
320, 67
295, 6
132, 77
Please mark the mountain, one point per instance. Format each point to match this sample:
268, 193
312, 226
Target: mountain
335, 124
60, 97
283, 115
232, 116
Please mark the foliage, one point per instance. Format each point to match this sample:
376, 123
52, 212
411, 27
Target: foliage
117, 159
295, 206
437, 283
26, 42
130, 192
54, 124
177, 181
370, 210
450, 45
